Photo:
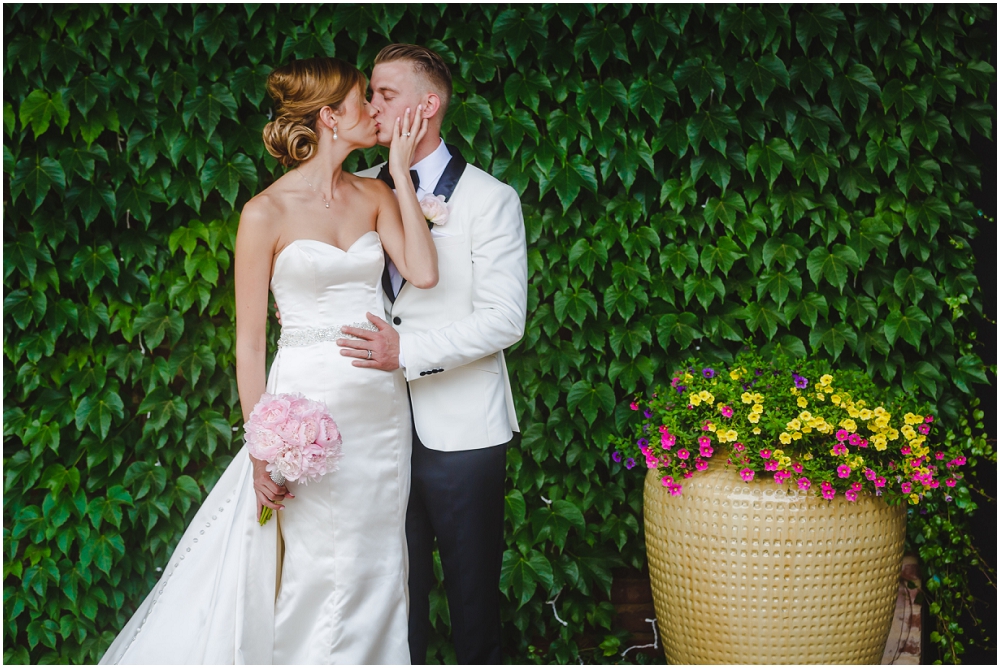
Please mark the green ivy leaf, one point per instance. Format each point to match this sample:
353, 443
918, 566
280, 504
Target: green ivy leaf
39, 109
36, 177
589, 399
701, 78
833, 266
468, 113
226, 176
855, 87
97, 412
909, 325
770, 157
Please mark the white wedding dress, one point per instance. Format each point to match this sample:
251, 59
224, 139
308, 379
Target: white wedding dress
326, 582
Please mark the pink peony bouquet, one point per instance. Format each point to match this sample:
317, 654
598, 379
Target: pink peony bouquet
295, 436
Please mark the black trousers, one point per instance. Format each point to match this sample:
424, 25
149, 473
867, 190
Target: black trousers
457, 497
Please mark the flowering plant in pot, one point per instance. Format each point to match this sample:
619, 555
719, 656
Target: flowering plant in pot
802, 423
774, 502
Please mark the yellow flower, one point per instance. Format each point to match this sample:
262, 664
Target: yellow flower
853, 412
879, 412
805, 416
909, 432
721, 436
835, 399
794, 390
849, 425
707, 397
687, 378
825, 379
908, 418
757, 408
734, 374
914, 499
879, 442
806, 430
785, 462
882, 421
802, 402
820, 396
777, 454
861, 403
732, 434
866, 414
785, 438
694, 399
758, 398
756, 430
797, 435
747, 398
711, 426
793, 425
807, 457
754, 417
893, 434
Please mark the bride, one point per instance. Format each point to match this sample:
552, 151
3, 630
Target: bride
326, 582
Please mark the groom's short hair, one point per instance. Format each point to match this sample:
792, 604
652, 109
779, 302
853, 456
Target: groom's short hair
425, 62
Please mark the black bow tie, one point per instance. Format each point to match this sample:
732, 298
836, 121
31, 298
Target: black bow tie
383, 175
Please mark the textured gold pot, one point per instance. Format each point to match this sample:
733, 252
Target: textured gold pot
757, 573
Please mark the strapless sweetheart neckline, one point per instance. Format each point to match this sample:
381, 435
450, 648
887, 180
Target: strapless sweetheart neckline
325, 243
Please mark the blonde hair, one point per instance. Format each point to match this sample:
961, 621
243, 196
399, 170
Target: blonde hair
300, 89
425, 62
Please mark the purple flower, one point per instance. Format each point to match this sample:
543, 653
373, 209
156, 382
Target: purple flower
629, 463
642, 442
648, 413
757, 372
616, 456
800, 381
681, 389
708, 372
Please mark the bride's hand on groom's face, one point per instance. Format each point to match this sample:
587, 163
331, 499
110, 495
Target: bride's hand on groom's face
406, 134
372, 350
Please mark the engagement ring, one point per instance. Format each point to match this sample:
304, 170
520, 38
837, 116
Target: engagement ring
369, 354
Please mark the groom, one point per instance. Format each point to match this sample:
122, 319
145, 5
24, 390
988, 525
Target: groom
449, 340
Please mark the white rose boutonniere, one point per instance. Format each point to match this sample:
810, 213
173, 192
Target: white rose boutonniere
435, 209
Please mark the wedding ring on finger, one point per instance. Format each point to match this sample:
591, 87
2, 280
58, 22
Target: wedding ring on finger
407, 134
369, 354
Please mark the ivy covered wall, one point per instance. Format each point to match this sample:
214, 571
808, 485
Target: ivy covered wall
691, 176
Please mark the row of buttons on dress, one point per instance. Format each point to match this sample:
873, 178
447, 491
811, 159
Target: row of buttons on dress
427, 373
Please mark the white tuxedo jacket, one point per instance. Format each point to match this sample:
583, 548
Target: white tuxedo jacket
452, 336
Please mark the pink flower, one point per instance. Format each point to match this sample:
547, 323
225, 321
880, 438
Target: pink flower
856, 486
687, 474
863, 443
765, 454
951, 482
738, 447
851, 495
842, 435
270, 411
263, 443
906, 488
651, 462
726, 411
905, 449
854, 439
676, 488
804, 484
701, 465
435, 209
844, 471
839, 449
683, 453
706, 451
663, 429
880, 481
667, 480
869, 473
634, 406
329, 434
289, 430
668, 441
704, 440
288, 463
939, 455
746, 474
797, 467
929, 419
924, 429
706, 426
828, 493
770, 465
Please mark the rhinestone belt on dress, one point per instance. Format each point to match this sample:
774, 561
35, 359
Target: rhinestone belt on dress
306, 337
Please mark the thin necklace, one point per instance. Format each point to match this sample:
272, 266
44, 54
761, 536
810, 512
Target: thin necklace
325, 200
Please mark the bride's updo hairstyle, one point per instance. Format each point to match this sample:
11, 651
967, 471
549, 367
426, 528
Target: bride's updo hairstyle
300, 89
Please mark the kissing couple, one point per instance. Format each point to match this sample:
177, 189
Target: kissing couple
397, 324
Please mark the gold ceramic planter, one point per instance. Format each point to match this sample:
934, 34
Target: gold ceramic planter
757, 573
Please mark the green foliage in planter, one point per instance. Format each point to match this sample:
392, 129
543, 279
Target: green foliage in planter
691, 176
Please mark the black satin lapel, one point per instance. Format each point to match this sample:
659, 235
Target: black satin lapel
387, 281
452, 173
383, 175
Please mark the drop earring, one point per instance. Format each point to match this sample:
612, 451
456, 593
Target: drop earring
334, 133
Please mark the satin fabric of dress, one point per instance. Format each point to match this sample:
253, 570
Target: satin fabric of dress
341, 553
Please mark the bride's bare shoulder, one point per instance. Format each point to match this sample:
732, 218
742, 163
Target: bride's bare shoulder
266, 207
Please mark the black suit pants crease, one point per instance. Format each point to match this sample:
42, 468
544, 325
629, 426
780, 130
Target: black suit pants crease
458, 498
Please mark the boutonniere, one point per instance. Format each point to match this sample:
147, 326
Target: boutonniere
435, 209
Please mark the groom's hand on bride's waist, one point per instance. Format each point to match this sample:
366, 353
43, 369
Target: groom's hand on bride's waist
372, 350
